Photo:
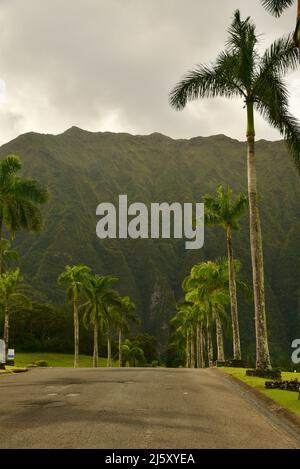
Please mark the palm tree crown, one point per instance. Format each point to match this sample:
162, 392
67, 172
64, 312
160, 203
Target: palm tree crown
223, 210
239, 71
19, 198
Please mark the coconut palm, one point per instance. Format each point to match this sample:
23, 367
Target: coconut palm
224, 211
240, 72
76, 277
277, 7
125, 314
19, 199
10, 284
100, 296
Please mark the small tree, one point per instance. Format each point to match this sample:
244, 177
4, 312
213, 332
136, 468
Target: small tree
76, 277
10, 284
100, 297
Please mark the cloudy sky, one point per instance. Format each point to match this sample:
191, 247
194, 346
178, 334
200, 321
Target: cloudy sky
108, 65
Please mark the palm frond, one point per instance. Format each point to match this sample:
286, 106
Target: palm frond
277, 7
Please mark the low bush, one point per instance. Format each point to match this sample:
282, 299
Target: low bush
38, 363
232, 364
292, 385
274, 374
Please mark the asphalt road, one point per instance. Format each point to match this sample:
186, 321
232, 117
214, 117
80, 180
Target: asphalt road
133, 408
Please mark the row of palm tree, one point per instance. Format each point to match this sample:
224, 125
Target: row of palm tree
206, 297
102, 307
240, 71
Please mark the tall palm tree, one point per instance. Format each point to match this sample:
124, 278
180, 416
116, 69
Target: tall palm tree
125, 314
277, 7
240, 71
76, 277
224, 211
10, 283
99, 297
19, 200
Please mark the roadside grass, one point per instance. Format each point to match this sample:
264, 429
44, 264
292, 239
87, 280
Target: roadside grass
57, 359
287, 399
9, 369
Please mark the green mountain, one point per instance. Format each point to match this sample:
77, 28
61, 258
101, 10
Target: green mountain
82, 169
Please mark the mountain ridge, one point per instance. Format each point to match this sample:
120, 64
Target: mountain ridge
82, 170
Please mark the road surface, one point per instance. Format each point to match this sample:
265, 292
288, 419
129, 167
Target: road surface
134, 408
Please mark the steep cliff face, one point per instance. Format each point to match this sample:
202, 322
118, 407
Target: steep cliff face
83, 169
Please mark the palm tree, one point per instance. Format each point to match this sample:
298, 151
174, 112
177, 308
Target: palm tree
10, 283
240, 71
224, 211
100, 296
185, 322
76, 277
277, 7
125, 314
207, 285
19, 200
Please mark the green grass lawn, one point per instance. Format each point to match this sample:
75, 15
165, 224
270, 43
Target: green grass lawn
57, 359
286, 399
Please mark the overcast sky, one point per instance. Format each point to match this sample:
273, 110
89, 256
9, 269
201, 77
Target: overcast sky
108, 65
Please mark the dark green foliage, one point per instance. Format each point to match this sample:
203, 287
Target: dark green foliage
269, 374
148, 344
233, 363
292, 385
82, 169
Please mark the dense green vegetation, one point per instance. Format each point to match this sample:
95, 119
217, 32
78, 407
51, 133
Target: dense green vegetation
153, 168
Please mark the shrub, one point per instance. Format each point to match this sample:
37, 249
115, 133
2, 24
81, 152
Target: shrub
232, 363
274, 374
41, 363
293, 385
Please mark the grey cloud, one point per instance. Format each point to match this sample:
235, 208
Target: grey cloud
109, 64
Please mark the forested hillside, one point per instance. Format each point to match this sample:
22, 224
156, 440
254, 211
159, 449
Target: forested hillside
82, 169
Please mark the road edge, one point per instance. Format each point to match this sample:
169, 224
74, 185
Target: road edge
272, 406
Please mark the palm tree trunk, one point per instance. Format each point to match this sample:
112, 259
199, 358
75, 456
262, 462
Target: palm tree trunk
120, 348
108, 350
202, 345
187, 351
233, 298
6, 329
262, 347
96, 347
220, 341
297, 32
210, 350
192, 350
76, 333
198, 345
1, 256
